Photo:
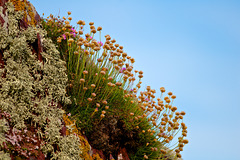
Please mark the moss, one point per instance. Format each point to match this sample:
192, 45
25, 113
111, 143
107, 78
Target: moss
4, 127
32, 90
68, 149
4, 156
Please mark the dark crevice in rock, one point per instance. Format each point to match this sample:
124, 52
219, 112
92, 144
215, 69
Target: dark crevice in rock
111, 136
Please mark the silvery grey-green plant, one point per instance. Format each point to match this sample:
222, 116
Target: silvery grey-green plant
24, 77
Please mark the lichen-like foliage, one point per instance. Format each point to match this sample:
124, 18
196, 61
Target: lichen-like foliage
4, 127
66, 146
4, 156
31, 91
85, 146
26, 7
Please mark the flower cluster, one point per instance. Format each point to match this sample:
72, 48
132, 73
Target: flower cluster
104, 85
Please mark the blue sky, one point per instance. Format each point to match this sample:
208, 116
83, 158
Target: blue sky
192, 48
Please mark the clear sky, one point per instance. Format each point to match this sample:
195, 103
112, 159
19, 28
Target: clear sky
191, 47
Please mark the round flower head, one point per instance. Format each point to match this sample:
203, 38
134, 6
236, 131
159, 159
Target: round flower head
70, 40
101, 44
104, 102
89, 99
99, 28
85, 72
64, 36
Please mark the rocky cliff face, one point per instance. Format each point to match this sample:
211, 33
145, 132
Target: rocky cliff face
32, 89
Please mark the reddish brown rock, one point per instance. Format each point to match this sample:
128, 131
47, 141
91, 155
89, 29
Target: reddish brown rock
123, 155
1, 60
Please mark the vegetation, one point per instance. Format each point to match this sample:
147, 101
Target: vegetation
108, 106
91, 80
31, 94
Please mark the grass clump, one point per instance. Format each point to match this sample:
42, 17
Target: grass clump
108, 106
